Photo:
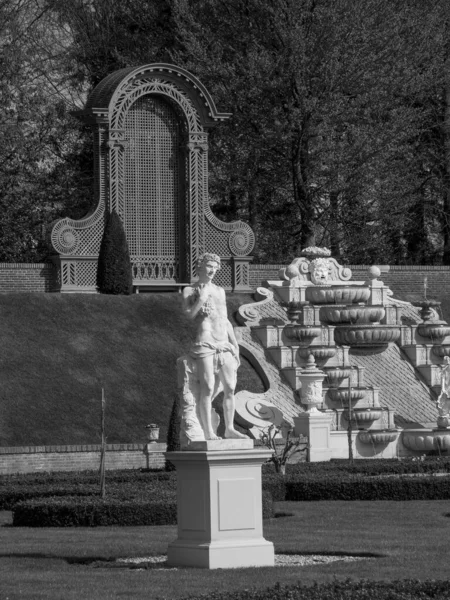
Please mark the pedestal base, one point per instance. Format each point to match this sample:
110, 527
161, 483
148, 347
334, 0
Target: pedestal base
220, 510
316, 426
221, 555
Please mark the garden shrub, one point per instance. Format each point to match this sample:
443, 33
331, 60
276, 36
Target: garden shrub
275, 483
124, 483
267, 505
94, 511
405, 589
353, 487
114, 274
173, 432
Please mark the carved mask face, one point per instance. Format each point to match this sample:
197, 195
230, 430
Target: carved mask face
319, 273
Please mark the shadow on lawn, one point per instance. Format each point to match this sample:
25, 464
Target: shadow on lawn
333, 553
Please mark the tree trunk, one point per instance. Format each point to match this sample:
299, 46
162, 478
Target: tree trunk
302, 196
333, 226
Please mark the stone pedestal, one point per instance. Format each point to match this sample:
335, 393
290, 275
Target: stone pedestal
316, 426
220, 508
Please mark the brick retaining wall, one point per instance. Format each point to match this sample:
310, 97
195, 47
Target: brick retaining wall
27, 277
32, 459
404, 280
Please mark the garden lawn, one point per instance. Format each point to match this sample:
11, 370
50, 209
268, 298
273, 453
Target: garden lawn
59, 350
400, 539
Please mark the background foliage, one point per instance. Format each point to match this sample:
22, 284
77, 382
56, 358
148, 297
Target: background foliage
340, 130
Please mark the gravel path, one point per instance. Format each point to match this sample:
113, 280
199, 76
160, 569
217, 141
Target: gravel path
281, 560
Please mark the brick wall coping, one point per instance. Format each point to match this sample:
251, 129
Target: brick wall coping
157, 447
260, 267
24, 265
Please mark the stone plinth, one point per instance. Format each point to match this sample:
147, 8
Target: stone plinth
220, 510
316, 426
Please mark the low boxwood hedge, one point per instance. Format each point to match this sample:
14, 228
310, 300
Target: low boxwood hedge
93, 512
20, 488
354, 487
77, 511
405, 589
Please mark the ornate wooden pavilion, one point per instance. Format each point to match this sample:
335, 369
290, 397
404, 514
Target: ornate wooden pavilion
150, 126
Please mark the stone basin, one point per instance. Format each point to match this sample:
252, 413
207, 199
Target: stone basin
335, 376
337, 294
302, 333
441, 351
364, 415
426, 439
381, 436
343, 394
352, 314
436, 332
319, 352
366, 336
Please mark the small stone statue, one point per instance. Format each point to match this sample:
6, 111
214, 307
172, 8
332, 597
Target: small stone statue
213, 359
443, 401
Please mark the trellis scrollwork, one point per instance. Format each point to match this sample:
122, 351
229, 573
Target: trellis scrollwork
65, 239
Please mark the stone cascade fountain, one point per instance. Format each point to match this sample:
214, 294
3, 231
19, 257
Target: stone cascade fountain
328, 317
334, 340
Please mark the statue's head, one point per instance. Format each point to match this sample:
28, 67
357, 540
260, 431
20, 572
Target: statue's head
208, 264
320, 270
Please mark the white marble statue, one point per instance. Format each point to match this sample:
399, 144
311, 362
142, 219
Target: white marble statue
213, 359
443, 401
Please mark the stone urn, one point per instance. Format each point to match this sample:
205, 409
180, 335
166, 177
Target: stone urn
294, 310
443, 421
152, 433
428, 308
311, 379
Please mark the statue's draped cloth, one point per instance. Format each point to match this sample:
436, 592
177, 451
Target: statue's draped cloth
218, 349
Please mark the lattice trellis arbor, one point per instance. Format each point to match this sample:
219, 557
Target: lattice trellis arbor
150, 127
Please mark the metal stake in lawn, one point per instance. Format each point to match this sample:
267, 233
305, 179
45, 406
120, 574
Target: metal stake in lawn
349, 427
103, 449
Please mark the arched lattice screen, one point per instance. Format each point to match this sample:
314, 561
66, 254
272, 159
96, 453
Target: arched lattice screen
150, 126
153, 189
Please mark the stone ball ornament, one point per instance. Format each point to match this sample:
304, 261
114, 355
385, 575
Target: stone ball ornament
374, 272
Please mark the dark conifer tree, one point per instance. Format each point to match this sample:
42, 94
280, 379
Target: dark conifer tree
173, 432
114, 274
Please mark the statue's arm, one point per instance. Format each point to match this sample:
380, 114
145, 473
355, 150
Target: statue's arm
191, 303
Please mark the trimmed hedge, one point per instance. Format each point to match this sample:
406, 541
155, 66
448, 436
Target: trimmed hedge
15, 489
76, 511
93, 512
353, 487
405, 589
